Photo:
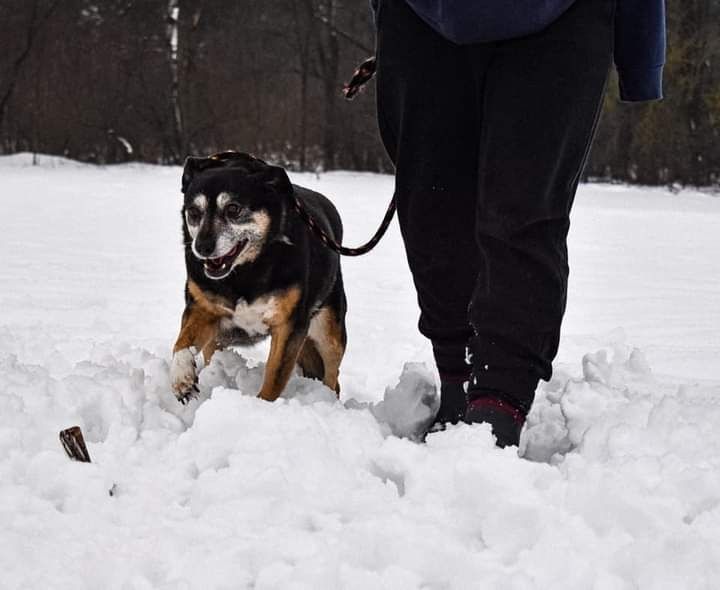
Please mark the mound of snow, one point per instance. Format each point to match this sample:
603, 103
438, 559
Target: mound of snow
623, 489
409, 408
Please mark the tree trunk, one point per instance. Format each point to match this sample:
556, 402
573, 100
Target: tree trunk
178, 148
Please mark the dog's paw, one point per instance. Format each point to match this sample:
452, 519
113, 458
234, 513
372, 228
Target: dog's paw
183, 375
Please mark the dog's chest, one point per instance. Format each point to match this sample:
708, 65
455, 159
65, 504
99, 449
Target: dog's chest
253, 318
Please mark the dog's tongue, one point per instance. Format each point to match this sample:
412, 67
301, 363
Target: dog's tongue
215, 263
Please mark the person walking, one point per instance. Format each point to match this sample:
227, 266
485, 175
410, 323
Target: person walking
487, 109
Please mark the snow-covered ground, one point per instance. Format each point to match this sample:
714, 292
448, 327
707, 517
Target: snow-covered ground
618, 486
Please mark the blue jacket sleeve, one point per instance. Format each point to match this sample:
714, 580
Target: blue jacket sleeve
640, 48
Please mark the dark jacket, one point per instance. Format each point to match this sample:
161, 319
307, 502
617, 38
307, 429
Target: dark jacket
639, 32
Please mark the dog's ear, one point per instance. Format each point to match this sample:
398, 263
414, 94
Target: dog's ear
193, 166
276, 178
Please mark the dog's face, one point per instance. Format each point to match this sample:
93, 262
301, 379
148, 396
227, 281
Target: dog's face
232, 212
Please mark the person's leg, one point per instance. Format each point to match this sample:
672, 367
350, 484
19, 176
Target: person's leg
542, 95
429, 123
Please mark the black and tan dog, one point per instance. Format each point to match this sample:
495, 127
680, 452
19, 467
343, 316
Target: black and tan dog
255, 270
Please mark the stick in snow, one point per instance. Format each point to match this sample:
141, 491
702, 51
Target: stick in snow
74, 444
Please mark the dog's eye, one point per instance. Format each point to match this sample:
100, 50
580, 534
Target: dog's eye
194, 215
233, 212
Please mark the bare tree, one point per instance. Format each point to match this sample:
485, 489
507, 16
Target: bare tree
39, 12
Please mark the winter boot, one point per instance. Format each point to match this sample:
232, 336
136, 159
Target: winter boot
504, 415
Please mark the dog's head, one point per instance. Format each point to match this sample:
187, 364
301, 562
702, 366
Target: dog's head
234, 206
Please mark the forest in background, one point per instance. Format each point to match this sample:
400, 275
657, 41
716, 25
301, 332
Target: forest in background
154, 80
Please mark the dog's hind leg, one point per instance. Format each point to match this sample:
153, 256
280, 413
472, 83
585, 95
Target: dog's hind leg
310, 361
285, 345
327, 332
287, 339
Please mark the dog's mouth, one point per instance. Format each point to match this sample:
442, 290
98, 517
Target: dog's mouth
218, 268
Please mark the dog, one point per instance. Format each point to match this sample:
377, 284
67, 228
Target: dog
254, 270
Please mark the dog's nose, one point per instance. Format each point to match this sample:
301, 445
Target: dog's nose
205, 246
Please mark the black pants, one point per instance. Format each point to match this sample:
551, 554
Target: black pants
489, 141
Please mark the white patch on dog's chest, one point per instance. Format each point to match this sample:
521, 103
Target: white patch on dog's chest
254, 318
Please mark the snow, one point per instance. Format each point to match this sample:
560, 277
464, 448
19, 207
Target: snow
617, 485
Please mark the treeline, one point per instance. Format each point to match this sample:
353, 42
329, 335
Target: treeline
676, 140
153, 80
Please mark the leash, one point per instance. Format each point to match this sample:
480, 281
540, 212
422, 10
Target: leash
333, 244
362, 75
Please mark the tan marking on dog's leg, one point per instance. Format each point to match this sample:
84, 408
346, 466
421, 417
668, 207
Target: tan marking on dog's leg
286, 342
327, 334
310, 361
199, 328
201, 321
183, 370
284, 350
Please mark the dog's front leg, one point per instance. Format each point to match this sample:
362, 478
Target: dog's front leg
286, 341
198, 329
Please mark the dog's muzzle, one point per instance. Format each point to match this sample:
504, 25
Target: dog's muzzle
220, 267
